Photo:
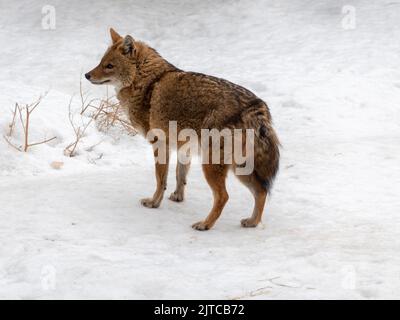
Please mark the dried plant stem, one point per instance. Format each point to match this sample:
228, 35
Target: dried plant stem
79, 131
25, 123
12, 124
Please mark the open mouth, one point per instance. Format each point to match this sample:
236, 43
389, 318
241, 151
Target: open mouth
100, 82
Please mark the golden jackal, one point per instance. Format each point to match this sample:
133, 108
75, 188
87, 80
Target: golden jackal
155, 93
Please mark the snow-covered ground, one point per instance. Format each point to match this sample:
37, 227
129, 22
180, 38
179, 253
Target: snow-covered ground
332, 226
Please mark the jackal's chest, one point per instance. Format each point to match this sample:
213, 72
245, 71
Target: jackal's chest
138, 115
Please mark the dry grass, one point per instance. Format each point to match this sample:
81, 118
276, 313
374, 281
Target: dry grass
79, 131
106, 113
24, 114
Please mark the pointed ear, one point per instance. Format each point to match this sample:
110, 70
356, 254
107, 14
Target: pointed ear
128, 46
114, 35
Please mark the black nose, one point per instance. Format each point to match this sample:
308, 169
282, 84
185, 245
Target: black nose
87, 76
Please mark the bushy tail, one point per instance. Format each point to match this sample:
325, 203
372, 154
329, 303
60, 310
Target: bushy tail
266, 143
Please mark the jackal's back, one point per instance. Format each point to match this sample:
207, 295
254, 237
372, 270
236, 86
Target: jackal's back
199, 101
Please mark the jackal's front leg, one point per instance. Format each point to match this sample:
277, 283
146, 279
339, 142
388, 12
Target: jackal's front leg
161, 167
181, 173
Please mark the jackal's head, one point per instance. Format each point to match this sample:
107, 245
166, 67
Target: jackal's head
117, 67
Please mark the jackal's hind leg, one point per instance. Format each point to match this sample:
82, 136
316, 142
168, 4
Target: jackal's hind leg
254, 220
260, 194
215, 175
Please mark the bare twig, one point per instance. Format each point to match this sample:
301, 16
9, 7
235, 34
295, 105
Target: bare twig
12, 123
11, 144
79, 131
41, 142
27, 110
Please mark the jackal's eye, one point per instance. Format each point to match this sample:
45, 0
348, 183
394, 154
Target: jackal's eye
109, 66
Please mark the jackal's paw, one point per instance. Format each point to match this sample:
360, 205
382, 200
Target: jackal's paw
149, 203
176, 196
201, 226
248, 223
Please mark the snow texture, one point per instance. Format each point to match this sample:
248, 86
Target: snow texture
332, 224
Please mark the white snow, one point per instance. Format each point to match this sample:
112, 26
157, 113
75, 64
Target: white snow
331, 227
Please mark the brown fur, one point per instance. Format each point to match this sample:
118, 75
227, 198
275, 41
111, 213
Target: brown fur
155, 92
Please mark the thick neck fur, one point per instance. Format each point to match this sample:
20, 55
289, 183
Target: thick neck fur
150, 66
